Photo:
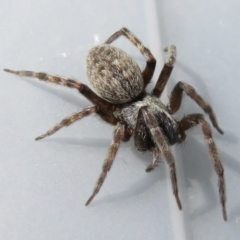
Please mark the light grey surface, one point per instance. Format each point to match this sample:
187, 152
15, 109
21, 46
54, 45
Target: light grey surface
44, 185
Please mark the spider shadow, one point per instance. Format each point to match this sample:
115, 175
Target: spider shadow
139, 186
136, 188
198, 166
87, 141
63, 94
233, 165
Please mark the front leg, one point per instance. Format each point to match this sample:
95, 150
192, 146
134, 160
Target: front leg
176, 99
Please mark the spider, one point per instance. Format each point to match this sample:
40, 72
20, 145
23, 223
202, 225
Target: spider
122, 100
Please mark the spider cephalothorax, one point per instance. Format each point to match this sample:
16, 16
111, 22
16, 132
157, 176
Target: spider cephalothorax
123, 102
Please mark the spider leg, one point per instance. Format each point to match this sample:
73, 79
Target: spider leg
191, 121
163, 146
156, 160
151, 61
69, 120
166, 71
176, 99
118, 135
104, 106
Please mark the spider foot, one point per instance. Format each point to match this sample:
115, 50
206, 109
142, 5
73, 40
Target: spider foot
10, 71
172, 53
224, 211
89, 200
20, 73
150, 168
41, 137
178, 202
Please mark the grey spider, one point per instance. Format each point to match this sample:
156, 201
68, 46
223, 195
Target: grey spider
121, 100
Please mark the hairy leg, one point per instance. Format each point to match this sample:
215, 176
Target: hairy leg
156, 160
163, 147
118, 135
166, 71
151, 61
69, 120
105, 107
176, 99
191, 121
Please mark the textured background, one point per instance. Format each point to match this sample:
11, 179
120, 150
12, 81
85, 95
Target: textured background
44, 185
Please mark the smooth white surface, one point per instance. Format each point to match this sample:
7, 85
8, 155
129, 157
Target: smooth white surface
44, 185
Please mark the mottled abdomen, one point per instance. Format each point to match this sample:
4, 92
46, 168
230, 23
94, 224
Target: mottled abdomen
114, 75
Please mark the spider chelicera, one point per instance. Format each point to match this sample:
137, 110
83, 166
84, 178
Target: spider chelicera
121, 100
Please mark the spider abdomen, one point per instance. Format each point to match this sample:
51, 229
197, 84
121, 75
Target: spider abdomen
114, 74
